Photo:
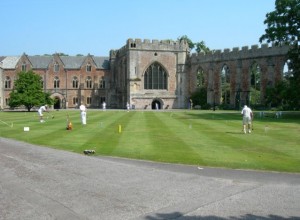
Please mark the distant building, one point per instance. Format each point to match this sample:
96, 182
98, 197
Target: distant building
150, 74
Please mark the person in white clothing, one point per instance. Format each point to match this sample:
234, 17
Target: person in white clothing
103, 106
247, 118
82, 109
128, 106
42, 109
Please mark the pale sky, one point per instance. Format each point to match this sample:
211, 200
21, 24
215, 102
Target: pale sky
38, 27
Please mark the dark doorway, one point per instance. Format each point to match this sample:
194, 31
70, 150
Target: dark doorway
56, 103
156, 105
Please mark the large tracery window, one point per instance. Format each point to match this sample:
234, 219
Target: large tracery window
155, 77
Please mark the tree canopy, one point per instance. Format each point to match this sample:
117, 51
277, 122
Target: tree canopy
28, 91
199, 46
283, 27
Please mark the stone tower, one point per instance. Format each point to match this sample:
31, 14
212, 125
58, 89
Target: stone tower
150, 74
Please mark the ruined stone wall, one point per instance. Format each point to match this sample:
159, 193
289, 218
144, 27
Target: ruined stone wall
271, 61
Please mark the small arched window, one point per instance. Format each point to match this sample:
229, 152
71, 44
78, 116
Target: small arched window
102, 83
24, 67
7, 83
88, 67
155, 77
56, 67
89, 82
56, 82
75, 82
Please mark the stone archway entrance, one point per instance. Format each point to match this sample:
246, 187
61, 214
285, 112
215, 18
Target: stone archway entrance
156, 104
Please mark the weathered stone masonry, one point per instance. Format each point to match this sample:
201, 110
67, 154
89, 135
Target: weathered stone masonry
271, 61
132, 74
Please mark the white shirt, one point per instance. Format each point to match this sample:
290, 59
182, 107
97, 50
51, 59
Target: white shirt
246, 112
41, 109
82, 108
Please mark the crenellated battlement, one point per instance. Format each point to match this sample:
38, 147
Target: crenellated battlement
241, 53
147, 44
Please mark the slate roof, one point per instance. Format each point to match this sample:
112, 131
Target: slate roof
102, 62
71, 62
40, 62
9, 62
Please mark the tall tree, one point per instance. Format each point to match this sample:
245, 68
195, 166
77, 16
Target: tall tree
188, 40
201, 47
283, 27
28, 91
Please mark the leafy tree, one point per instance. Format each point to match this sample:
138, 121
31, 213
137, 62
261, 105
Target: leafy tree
200, 46
283, 27
28, 91
199, 97
188, 40
277, 95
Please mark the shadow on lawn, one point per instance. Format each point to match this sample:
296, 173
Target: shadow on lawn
179, 216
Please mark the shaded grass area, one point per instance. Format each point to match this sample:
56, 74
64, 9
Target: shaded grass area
203, 138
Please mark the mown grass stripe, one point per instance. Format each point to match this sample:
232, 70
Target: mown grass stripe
190, 137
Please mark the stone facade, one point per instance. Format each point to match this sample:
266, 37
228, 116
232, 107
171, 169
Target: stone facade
130, 63
69, 80
147, 75
270, 60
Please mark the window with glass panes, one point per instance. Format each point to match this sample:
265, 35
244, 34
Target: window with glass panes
155, 77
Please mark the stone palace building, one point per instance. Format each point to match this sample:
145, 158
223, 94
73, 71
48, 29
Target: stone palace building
149, 74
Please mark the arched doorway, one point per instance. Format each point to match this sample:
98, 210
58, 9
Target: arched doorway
57, 103
156, 104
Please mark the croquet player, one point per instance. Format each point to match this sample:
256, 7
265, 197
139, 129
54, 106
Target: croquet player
42, 109
247, 118
82, 109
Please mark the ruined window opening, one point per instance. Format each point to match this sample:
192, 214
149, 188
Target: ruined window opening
225, 85
200, 78
254, 96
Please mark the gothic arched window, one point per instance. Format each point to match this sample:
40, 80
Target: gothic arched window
88, 67
200, 78
155, 77
102, 83
225, 85
56, 67
75, 82
88, 82
56, 82
7, 82
254, 95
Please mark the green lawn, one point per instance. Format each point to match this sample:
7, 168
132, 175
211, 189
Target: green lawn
203, 138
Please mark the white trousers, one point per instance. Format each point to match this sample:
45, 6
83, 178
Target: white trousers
83, 118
